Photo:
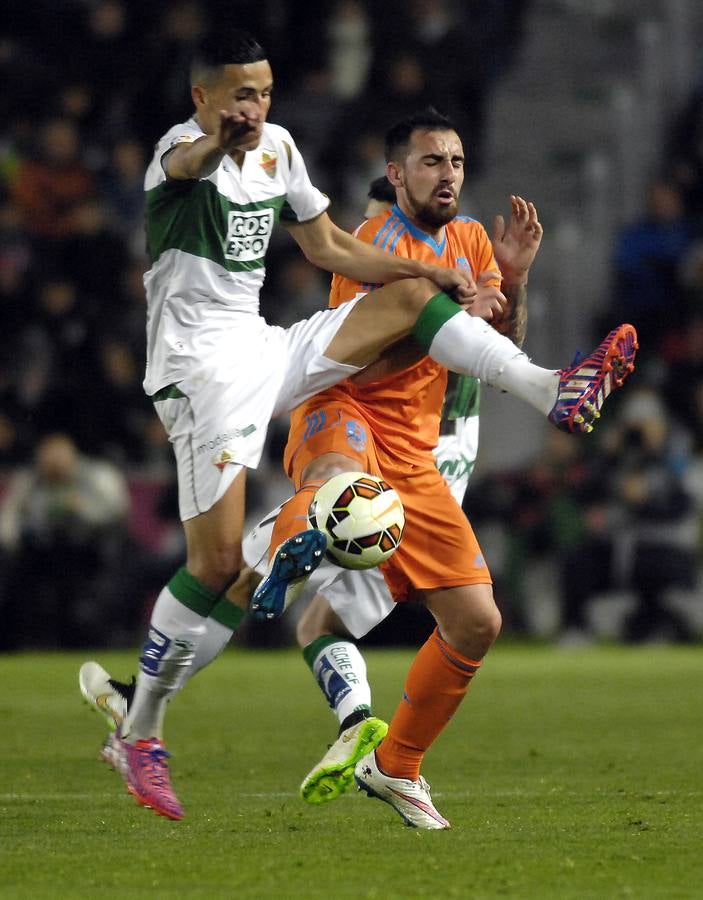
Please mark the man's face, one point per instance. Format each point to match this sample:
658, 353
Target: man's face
243, 89
429, 180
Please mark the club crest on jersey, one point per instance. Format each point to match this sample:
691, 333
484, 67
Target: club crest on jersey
223, 457
269, 163
356, 435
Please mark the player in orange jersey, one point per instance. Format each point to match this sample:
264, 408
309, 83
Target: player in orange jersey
386, 421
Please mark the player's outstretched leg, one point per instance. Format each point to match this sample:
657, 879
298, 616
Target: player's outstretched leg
586, 384
289, 569
410, 799
334, 774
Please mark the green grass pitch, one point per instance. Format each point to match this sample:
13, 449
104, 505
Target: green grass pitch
566, 774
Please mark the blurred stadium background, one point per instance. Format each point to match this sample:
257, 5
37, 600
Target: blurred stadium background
591, 108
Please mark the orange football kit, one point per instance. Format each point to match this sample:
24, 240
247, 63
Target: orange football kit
392, 425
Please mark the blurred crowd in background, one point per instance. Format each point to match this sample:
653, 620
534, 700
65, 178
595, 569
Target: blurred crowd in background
88, 517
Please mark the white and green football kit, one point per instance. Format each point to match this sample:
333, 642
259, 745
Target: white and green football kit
216, 371
361, 599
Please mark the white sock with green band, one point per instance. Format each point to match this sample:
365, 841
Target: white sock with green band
178, 625
340, 671
213, 642
468, 345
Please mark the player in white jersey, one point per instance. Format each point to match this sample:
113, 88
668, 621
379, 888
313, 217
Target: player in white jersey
217, 373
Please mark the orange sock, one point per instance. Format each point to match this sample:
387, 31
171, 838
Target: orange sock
293, 518
436, 683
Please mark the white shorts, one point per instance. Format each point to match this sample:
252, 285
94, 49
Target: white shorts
361, 599
217, 417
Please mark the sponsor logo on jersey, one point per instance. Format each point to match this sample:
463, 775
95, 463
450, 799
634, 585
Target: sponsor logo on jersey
269, 163
217, 442
248, 234
183, 139
453, 469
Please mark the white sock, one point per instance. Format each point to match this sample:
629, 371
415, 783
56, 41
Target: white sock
470, 346
175, 632
213, 642
341, 673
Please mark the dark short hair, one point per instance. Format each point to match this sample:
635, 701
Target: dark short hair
224, 47
398, 135
382, 190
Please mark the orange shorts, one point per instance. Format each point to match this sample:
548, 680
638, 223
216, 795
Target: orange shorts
439, 548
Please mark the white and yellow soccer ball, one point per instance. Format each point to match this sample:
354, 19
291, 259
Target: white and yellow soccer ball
361, 516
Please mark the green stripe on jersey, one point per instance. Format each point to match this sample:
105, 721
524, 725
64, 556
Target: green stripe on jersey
193, 216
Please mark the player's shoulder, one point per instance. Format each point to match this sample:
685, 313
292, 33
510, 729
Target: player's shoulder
464, 224
276, 132
183, 132
279, 139
467, 230
371, 230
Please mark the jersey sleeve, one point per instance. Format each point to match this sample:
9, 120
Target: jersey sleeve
343, 288
303, 200
484, 256
184, 133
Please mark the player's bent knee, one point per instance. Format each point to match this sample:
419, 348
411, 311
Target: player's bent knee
474, 633
216, 567
490, 625
415, 292
317, 620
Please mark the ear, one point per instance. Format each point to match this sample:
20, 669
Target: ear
198, 95
394, 174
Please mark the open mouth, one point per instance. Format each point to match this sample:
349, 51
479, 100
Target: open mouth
445, 196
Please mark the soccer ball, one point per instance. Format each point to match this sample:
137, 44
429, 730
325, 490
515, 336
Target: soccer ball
362, 518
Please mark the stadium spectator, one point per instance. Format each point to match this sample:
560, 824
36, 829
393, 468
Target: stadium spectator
656, 532
47, 189
646, 265
62, 530
121, 188
683, 150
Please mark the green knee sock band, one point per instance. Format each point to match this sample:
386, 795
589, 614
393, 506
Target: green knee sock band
438, 310
227, 614
312, 651
192, 593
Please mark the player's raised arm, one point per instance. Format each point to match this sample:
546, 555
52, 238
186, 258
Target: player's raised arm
329, 247
515, 246
200, 158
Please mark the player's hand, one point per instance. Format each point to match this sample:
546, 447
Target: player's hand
234, 129
458, 283
515, 245
489, 302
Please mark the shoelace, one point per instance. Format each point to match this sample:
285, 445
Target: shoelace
155, 768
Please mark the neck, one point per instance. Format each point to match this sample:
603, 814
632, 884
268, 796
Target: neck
437, 234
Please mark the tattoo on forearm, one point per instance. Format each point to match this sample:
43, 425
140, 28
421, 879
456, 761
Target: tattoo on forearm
514, 322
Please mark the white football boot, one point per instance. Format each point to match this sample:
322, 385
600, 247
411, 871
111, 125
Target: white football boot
108, 697
410, 799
